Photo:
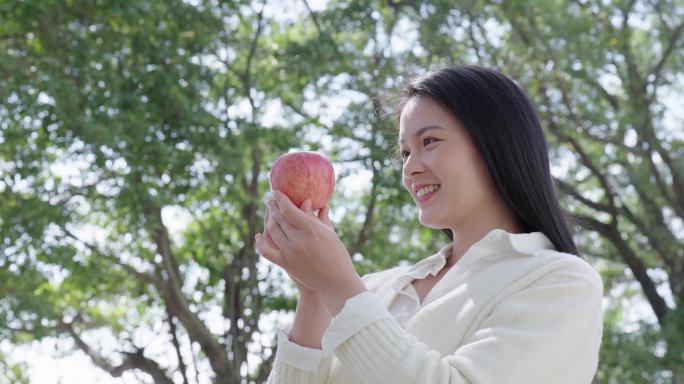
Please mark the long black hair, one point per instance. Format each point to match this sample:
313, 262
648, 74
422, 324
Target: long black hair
505, 128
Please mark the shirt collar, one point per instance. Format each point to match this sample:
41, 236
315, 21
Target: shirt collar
430, 265
496, 241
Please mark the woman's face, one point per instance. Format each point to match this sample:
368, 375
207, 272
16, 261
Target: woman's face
442, 168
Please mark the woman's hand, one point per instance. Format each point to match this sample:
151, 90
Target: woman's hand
304, 291
308, 249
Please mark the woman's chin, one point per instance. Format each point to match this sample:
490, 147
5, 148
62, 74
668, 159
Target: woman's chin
430, 222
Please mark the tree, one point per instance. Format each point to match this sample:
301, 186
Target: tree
105, 124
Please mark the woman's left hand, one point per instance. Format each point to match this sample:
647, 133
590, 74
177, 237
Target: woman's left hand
311, 252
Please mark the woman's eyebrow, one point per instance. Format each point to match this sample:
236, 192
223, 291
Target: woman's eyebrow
421, 131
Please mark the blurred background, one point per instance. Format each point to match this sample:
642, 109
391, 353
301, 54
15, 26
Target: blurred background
136, 139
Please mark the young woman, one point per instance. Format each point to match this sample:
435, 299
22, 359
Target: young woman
507, 301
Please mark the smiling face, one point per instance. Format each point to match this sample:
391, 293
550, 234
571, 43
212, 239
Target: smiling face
443, 170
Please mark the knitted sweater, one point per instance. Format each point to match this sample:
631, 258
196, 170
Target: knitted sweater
511, 310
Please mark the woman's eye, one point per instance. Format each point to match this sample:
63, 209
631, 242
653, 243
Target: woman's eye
428, 140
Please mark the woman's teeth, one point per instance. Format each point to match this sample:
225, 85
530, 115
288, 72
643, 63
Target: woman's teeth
421, 192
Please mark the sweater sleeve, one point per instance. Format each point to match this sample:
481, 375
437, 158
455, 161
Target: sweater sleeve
548, 332
298, 364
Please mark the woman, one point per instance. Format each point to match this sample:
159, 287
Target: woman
507, 301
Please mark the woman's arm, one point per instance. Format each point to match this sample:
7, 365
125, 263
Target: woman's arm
299, 358
311, 320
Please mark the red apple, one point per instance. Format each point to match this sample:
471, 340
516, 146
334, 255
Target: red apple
304, 174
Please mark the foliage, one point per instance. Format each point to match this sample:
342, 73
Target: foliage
11, 373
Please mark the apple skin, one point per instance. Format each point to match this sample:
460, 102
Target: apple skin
304, 174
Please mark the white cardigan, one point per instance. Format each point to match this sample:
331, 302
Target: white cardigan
511, 310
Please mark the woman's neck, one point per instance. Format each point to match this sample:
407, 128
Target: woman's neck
465, 236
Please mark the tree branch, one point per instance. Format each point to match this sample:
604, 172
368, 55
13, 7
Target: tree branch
368, 221
616, 142
194, 363
197, 330
314, 17
660, 239
245, 77
635, 264
635, 84
301, 112
234, 286
132, 360
677, 199
584, 157
143, 276
674, 201
658, 67
570, 190
176, 345
163, 243
265, 368
657, 232
593, 83
178, 305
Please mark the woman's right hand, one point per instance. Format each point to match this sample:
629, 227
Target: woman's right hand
304, 291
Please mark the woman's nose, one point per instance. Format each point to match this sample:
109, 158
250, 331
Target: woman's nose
412, 166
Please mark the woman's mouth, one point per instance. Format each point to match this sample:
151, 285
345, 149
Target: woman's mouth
425, 193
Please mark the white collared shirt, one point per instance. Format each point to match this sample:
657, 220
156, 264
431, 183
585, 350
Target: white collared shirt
400, 301
407, 302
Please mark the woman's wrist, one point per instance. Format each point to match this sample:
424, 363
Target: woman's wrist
312, 318
336, 298
310, 297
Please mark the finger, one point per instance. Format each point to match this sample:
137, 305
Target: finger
277, 233
278, 217
306, 206
267, 233
290, 211
323, 216
270, 240
267, 251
